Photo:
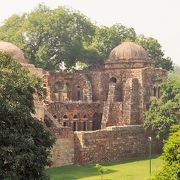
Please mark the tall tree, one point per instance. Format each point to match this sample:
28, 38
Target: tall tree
155, 52
106, 38
165, 111
49, 37
11, 30
24, 143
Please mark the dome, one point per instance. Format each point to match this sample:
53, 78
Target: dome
128, 51
13, 50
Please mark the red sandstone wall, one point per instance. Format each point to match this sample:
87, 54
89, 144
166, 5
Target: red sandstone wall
115, 143
59, 109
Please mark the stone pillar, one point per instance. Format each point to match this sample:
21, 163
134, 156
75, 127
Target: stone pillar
107, 105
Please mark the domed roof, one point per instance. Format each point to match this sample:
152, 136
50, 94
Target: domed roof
13, 50
128, 51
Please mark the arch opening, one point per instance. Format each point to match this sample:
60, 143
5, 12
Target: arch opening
96, 123
84, 126
74, 126
54, 116
65, 117
154, 91
113, 80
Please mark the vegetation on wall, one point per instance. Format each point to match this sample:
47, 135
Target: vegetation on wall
49, 37
24, 143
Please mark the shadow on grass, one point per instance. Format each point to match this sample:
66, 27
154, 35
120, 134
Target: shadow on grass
75, 172
129, 160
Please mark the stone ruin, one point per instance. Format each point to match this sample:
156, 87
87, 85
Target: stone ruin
97, 113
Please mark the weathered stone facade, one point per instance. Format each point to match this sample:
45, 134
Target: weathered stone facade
63, 150
117, 91
112, 144
105, 103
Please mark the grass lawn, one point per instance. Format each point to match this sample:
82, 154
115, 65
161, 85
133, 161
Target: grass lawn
137, 169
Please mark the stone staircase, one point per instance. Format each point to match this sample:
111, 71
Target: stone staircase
49, 115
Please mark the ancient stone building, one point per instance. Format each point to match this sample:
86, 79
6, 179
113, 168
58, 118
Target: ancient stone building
114, 94
97, 113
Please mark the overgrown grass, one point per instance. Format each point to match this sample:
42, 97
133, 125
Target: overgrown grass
137, 169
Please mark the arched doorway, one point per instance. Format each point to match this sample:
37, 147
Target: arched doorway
65, 120
75, 125
155, 91
96, 122
113, 80
78, 93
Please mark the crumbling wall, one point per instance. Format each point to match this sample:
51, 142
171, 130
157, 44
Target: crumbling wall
63, 149
111, 144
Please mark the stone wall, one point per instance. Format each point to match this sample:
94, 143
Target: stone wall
76, 112
63, 150
111, 144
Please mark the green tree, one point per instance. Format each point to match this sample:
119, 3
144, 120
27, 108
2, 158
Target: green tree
24, 143
171, 156
12, 30
101, 170
165, 111
106, 38
175, 73
155, 53
49, 37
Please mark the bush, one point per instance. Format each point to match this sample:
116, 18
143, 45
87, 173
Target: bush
171, 155
101, 170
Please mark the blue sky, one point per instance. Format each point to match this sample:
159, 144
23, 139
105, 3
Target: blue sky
155, 18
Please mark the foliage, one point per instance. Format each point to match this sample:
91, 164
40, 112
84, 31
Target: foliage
24, 143
12, 30
175, 73
171, 155
155, 53
165, 111
106, 38
101, 170
49, 37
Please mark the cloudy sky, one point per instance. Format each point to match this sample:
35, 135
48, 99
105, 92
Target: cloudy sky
155, 18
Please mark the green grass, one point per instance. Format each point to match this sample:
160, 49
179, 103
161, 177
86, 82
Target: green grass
137, 169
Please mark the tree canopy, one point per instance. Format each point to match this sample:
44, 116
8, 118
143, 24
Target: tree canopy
24, 143
106, 38
155, 53
165, 111
49, 37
